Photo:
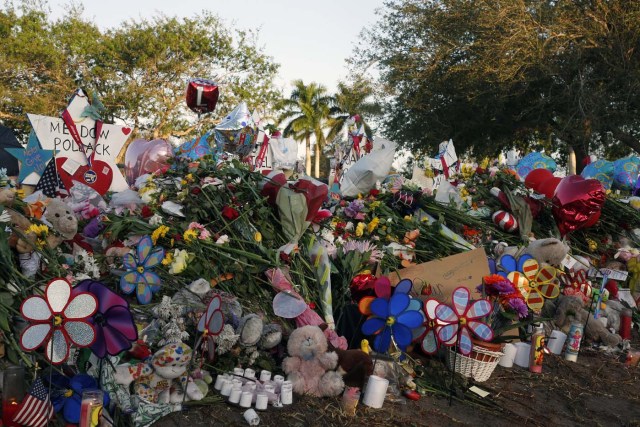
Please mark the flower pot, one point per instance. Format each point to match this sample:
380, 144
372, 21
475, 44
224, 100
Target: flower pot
489, 346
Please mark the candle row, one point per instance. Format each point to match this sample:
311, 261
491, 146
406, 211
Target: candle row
243, 389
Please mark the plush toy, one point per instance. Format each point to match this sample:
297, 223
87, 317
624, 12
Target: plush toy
309, 366
63, 220
569, 309
164, 378
551, 251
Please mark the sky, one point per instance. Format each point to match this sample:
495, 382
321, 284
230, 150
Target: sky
310, 40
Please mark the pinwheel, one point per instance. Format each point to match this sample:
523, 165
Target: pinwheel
113, 322
392, 316
533, 281
139, 276
59, 319
67, 394
210, 325
430, 336
463, 319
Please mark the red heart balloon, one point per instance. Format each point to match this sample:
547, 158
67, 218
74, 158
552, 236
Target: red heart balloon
537, 177
576, 201
99, 176
548, 187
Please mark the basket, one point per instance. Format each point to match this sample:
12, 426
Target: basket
478, 365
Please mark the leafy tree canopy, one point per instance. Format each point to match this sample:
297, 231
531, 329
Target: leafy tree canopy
497, 73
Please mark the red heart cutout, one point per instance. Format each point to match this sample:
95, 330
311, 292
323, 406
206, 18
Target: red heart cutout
126, 130
99, 176
576, 201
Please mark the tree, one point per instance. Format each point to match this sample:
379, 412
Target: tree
349, 100
306, 112
139, 69
496, 73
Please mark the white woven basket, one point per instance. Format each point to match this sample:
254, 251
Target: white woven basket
479, 368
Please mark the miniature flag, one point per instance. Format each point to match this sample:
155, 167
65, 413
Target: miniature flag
36, 409
50, 182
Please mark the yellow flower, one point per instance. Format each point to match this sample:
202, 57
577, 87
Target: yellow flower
592, 245
40, 230
428, 172
159, 232
373, 224
168, 258
375, 204
408, 217
467, 171
360, 229
179, 261
464, 192
257, 236
189, 177
20, 194
190, 235
484, 163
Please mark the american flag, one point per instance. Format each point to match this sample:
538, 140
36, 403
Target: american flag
50, 182
36, 409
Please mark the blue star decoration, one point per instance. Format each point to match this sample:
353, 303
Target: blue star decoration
32, 158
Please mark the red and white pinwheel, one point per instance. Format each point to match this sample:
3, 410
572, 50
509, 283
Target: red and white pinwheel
59, 319
463, 319
210, 324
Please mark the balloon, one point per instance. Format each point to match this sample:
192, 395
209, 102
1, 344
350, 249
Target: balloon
602, 170
625, 172
202, 95
548, 187
144, 157
576, 201
593, 220
237, 132
534, 161
196, 148
537, 178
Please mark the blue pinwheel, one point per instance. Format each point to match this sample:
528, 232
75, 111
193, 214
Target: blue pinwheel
66, 394
393, 316
139, 276
461, 319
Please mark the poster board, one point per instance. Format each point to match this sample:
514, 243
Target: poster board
446, 274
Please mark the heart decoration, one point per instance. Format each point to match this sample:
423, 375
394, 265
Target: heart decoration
97, 176
126, 130
576, 202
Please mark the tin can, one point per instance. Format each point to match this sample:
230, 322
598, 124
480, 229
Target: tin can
573, 342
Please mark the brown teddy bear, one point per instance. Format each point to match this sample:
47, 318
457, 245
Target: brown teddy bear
569, 309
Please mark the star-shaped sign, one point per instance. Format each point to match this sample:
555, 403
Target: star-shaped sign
54, 135
33, 160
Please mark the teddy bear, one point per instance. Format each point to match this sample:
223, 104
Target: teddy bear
309, 366
164, 378
551, 251
569, 309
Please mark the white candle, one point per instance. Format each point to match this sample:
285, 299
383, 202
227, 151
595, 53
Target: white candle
238, 371
226, 388
251, 417
219, 380
234, 397
261, 401
269, 388
375, 392
265, 375
509, 356
522, 356
556, 341
249, 373
286, 395
246, 399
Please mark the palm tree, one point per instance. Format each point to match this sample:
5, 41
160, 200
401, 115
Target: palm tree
350, 100
306, 112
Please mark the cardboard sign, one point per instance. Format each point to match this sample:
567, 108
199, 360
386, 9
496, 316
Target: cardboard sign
54, 135
444, 275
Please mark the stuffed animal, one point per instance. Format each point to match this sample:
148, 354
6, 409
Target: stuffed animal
551, 251
309, 366
164, 378
569, 309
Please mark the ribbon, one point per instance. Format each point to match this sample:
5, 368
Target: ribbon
263, 151
73, 130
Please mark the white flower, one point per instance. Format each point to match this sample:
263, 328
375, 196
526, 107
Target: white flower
222, 240
4, 216
156, 220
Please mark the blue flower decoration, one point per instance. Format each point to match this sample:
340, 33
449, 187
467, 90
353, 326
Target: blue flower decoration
394, 317
67, 395
139, 276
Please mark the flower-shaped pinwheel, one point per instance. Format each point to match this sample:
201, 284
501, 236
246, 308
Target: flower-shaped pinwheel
534, 282
432, 326
67, 394
391, 315
139, 276
113, 322
57, 319
461, 319
210, 324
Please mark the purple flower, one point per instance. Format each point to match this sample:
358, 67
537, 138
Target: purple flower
113, 322
519, 307
354, 208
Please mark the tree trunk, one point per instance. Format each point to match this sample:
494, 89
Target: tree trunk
317, 161
571, 162
581, 155
308, 157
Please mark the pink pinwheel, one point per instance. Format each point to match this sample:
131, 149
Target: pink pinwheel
430, 335
210, 324
58, 319
462, 319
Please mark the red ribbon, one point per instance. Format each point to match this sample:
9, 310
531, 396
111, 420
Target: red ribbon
73, 130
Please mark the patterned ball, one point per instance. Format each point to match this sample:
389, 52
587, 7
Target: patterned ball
506, 221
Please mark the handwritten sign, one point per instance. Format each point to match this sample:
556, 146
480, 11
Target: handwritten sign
444, 275
618, 275
33, 160
53, 134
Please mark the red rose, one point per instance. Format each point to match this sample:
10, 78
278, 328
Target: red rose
374, 192
146, 212
196, 190
230, 213
312, 305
